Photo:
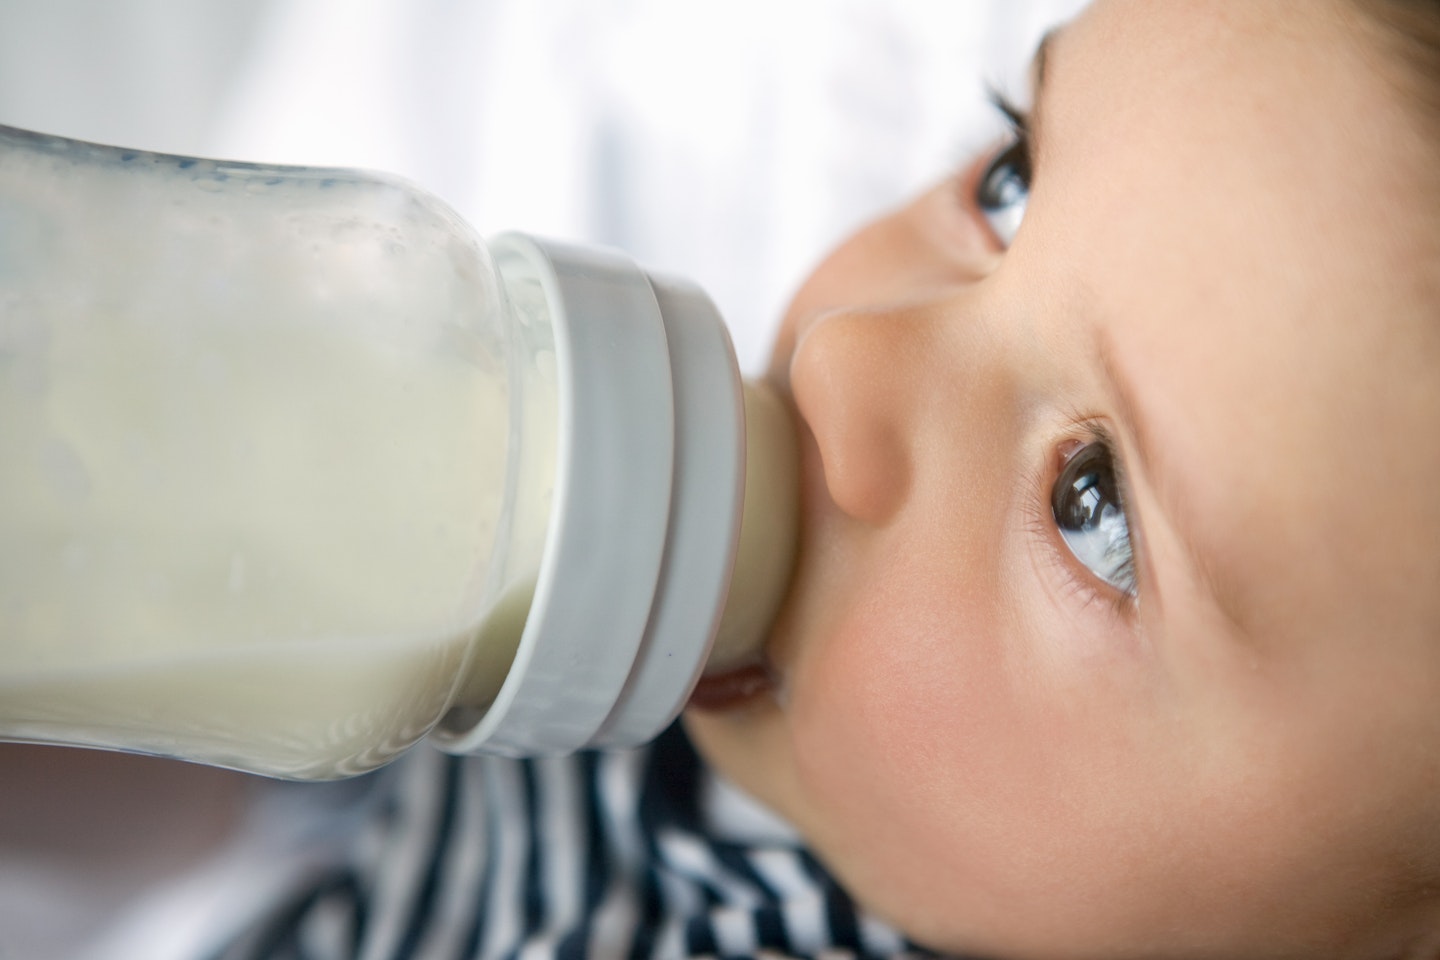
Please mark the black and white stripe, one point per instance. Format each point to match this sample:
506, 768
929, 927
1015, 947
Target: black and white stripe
599, 856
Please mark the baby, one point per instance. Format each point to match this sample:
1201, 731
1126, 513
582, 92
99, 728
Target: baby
1116, 624
1116, 629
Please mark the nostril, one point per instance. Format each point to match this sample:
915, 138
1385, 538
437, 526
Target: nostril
848, 377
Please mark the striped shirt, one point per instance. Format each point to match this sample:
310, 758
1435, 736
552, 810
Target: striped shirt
635, 855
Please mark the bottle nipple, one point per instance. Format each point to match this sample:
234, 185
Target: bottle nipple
768, 527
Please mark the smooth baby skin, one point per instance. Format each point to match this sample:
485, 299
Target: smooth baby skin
1229, 259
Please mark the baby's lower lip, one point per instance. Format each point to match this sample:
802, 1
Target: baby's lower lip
724, 691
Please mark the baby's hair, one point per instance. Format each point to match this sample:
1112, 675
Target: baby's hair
1411, 28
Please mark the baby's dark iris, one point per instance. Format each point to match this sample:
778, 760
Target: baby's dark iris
1004, 190
1091, 516
1085, 491
1006, 182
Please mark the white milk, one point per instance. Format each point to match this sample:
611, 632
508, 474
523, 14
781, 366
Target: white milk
251, 421
279, 454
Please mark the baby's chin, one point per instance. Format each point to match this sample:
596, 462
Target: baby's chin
736, 724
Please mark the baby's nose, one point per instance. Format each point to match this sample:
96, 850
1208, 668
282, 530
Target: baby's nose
855, 375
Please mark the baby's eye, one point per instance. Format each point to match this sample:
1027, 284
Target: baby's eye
1004, 187
1089, 511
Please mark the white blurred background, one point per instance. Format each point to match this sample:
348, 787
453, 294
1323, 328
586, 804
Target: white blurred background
731, 142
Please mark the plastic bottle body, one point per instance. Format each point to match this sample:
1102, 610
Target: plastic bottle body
276, 444
297, 472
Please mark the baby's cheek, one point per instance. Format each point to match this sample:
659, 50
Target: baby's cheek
900, 719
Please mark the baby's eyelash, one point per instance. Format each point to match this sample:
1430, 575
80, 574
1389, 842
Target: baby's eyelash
1017, 119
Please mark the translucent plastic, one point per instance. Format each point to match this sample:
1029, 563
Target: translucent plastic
275, 441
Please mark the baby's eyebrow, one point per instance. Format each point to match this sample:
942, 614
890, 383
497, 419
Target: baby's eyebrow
1042, 51
1136, 428
1037, 84
1124, 396
1164, 486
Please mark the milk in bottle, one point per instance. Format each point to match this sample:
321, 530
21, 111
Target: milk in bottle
289, 452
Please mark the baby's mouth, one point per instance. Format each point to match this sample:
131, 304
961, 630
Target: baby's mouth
733, 688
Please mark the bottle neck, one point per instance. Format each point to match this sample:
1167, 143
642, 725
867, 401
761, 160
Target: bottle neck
673, 481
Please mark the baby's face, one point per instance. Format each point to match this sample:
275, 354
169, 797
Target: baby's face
1215, 726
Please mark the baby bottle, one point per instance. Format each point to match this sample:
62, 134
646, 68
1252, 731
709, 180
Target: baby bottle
299, 470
